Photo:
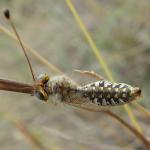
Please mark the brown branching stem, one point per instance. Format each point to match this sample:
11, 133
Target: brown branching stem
128, 127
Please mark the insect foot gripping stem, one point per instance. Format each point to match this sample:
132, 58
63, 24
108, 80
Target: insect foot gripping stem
40, 93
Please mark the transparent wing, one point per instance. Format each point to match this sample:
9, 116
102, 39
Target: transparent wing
84, 104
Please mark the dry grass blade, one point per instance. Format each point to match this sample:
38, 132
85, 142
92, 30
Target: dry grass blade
141, 108
88, 146
23, 129
39, 57
106, 113
82, 104
34, 53
51, 66
93, 74
94, 48
108, 130
131, 130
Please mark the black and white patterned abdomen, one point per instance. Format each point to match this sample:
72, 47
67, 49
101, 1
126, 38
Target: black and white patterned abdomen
105, 93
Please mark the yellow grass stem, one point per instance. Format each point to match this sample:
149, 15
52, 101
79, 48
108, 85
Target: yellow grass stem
129, 128
55, 69
97, 53
132, 117
52, 66
141, 108
141, 137
43, 60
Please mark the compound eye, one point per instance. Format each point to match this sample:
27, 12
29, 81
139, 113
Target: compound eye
139, 91
41, 76
40, 95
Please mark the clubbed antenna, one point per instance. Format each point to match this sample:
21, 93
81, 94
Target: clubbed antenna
7, 15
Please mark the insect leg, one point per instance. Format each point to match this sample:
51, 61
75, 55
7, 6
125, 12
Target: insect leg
54, 103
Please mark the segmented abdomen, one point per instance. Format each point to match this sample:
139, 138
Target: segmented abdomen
105, 93
101, 93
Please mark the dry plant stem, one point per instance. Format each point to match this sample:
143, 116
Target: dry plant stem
29, 137
89, 146
22, 87
43, 60
141, 108
32, 141
98, 55
111, 131
132, 130
32, 51
89, 39
38, 56
16, 86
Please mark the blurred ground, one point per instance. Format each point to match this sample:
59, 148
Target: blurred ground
121, 31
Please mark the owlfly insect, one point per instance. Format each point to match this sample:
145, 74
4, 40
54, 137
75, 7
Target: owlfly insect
94, 96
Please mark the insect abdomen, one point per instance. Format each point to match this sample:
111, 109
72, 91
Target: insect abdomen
105, 93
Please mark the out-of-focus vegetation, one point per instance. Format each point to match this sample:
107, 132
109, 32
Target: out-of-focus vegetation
120, 30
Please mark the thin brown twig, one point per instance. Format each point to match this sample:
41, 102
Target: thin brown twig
88, 145
131, 130
23, 129
113, 132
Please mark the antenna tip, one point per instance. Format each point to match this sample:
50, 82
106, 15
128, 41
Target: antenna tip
6, 13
